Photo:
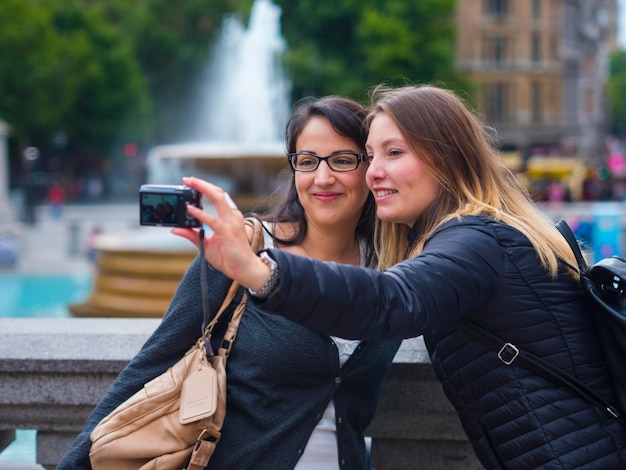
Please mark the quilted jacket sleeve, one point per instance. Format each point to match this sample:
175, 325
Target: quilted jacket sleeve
179, 330
460, 270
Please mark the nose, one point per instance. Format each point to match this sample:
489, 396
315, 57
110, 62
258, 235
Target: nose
374, 170
324, 174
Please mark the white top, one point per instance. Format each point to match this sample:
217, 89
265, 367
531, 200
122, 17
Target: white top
321, 450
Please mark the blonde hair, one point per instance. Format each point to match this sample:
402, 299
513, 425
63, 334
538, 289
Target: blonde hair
460, 152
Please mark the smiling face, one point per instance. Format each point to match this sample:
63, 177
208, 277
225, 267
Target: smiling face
330, 199
402, 185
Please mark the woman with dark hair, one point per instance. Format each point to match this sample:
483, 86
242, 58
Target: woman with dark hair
296, 398
458, 239
346, 119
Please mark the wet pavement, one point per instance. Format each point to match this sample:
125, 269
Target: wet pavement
59, 245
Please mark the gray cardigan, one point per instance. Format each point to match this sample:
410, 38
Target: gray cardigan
281, 377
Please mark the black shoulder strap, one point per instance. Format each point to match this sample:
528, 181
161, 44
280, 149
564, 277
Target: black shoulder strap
256, 244
569, 236
508, 353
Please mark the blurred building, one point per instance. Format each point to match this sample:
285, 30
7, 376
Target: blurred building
540, 67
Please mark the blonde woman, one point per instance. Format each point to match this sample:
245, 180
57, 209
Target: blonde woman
457, 237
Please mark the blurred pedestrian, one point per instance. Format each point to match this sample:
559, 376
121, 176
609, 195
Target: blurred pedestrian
9, 250
56, 199
90, 245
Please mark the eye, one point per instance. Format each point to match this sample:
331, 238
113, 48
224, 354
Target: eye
304, 161
344, 159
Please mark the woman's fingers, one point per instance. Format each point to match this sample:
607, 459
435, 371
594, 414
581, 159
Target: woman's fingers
220, 199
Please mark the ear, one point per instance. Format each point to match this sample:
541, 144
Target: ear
249, 232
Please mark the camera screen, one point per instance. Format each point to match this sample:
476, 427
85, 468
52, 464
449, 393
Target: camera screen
158, 208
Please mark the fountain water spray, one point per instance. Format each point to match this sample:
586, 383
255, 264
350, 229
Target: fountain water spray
246, 98
242, 108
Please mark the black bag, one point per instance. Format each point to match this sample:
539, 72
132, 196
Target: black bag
605, 285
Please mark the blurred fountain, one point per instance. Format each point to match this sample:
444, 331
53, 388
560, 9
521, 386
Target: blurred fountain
245, 95
241, 111
236, 142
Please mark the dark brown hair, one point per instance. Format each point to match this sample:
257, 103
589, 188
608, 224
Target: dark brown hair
347, 117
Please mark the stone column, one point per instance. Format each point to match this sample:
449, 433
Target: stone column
7, 217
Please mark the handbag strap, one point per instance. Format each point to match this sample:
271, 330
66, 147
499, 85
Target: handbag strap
509, 354
209, 323
569, 236
204, 448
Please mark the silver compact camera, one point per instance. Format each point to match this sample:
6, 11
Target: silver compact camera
165, 205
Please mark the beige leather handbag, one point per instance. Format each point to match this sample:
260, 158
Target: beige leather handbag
174, 422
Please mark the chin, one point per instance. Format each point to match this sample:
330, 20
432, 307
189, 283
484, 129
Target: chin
385, 216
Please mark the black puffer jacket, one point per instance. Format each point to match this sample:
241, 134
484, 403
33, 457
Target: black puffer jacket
489, 271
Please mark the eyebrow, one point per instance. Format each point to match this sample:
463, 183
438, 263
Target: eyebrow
334, 151
389, 142
394, 141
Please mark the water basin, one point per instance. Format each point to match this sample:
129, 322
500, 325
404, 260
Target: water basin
37, 296
22, 449
41, 296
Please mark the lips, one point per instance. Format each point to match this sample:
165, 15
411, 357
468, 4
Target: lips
326, 196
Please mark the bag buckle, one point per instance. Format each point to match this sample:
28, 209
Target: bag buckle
209, 434
508, 353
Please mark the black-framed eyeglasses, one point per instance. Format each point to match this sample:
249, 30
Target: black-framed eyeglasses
337, 161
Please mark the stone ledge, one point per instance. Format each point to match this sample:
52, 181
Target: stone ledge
54, 371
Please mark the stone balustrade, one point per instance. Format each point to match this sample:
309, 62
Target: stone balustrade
54, 371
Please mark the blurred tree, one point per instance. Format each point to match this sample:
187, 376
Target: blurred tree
616, 94
81, 78
171, 41
101, 81
347, 47
69, 82
28, 69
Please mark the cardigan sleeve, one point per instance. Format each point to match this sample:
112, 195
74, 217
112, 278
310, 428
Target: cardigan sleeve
176, 334
459, 270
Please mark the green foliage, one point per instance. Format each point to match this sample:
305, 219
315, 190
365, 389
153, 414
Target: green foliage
65, 71
100, 73
616, 93
102, 79
348, 47
28, 65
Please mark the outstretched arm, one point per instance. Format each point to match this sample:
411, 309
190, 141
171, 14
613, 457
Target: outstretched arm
460, 269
